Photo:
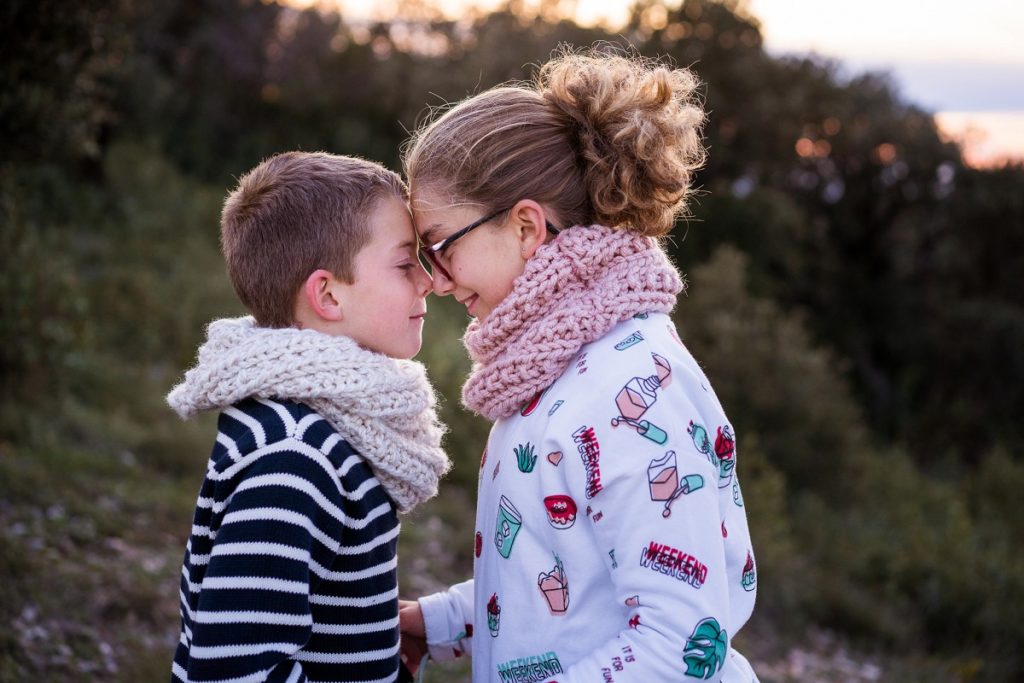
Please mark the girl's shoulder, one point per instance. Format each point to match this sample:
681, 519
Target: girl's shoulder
643, 355
638, 343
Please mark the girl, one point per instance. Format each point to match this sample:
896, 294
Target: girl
611, 539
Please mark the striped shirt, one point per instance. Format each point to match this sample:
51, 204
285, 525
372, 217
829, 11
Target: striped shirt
290, 569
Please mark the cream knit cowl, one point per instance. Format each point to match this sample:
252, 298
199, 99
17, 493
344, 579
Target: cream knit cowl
383, 407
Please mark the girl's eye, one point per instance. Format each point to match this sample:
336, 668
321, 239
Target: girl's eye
407, 266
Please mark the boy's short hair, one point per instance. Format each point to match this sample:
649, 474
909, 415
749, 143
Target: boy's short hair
295, 213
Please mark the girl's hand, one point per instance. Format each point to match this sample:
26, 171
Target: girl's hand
414, 634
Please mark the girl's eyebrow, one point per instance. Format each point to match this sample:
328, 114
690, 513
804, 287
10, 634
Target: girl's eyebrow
427, 235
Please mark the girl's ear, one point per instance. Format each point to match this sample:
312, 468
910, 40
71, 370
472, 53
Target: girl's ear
321, 296
529, 220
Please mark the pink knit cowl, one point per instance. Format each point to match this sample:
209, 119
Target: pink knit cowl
573, 290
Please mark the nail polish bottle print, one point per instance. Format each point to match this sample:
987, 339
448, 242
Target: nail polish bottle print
663, 478
639, 394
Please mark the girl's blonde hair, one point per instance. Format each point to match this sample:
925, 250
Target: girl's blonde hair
597, 138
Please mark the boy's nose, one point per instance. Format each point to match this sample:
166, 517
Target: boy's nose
426, 282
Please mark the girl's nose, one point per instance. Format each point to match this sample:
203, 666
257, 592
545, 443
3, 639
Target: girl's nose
443, 286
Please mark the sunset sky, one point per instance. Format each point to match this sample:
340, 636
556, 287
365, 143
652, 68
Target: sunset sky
962, 59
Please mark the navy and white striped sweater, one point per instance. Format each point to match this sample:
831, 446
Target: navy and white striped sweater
290, 570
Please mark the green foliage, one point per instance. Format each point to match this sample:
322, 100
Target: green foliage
859, 539
44, 316
854, 299
57, 61
780, 389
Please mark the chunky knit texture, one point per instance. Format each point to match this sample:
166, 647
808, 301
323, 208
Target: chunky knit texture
574, 289
382, 406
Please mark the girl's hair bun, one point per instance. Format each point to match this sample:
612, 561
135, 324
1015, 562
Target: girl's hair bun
636, 125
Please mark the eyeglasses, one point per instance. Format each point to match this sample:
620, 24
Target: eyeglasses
432, 253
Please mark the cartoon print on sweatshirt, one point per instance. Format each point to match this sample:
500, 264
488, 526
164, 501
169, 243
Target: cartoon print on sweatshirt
617, 664
631, 340
555, 406
725, 451
532, 404
665, 484
682, 566
638, 395
507, 527
705, 649
478, 544
554, 586
493, 615
532, 669
737, 497
561, 511
581, 363
590, 452
526, 457
555, 457
675, 335
702, 442
749, 579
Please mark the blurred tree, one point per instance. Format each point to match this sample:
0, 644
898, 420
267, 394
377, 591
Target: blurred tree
57, 60
854, 295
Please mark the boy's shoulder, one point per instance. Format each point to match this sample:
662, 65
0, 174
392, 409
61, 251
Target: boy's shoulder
254, 424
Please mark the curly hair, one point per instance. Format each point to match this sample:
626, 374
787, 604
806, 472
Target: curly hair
597, 138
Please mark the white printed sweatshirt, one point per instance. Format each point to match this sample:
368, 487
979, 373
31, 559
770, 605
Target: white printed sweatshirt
611, 537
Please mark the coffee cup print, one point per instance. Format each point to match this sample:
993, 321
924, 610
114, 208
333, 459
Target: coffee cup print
554, 586
665, 484
507, 527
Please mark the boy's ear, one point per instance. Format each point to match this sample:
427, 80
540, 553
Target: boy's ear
321, 295
529, 218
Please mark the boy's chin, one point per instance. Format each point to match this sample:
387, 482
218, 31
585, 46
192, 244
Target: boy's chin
405, 352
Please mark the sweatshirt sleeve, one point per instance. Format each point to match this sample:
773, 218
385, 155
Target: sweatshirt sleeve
655, 516
253, 616
448, 617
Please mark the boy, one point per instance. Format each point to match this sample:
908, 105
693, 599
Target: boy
325, 430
